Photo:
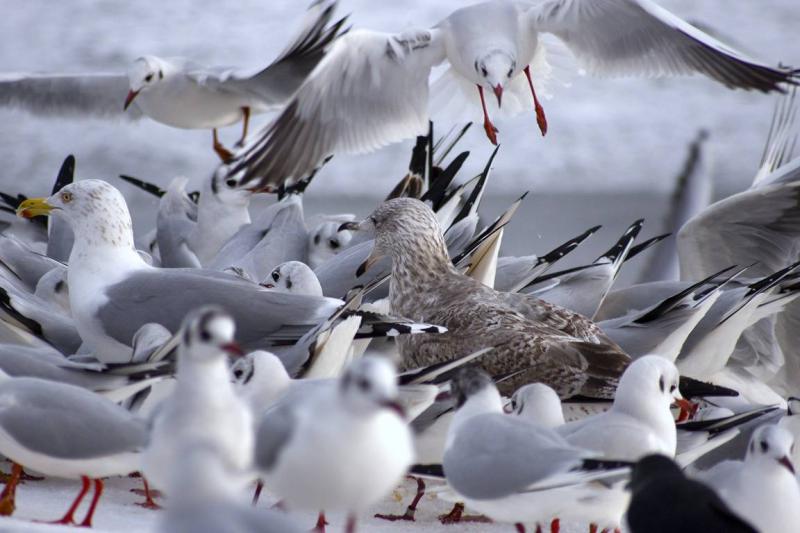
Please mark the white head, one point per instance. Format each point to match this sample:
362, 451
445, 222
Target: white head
208, 336
539, 403
369, 385
327, 240
649, 384
495, 70
772, 443
225, 188
294, 277
143, 74
95, 210
260, 369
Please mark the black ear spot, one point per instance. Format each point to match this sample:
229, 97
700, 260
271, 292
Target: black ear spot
187, 339
764, 446
161, 74
661, 383
288, 283
316, 238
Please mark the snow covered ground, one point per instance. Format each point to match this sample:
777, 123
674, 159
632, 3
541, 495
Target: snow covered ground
117, 512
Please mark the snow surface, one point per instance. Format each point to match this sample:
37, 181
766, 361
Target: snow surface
117, 512
604, 134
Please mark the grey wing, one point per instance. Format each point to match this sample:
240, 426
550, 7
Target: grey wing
275, 84
66, 421
757, 227
638, 37
100, 95
165, 296
337, 275
27, 265
493, 456
275, 430
370, 90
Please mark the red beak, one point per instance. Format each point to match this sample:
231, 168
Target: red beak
268, 285
233, 349
129, 99
498, 92
785, 461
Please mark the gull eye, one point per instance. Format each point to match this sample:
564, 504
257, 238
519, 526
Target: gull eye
148, 78
66, 197
484, 72
275, 275
764, 446
672, 388
205, 335
513, 404
334, 243
510, 72
238, 373
363, 384
230, 183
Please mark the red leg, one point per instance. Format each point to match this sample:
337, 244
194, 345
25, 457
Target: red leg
8, 497
69, 518
149, 502
555, 525
454, 515
411, 509
245, 123
257, 492
98, 490
541, 120
350, 526
592, 528
491, 131
224, 154
321, 523
519, 527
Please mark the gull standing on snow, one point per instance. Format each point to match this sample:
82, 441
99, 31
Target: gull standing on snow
179, 92
113, 291
372, 88
203, 405
763, 488
555, 346
337, 448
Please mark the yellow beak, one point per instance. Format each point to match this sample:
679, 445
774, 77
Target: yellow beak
33, 207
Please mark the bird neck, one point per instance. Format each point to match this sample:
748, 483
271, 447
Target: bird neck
212, 374
484, 401
417, 268
101, 245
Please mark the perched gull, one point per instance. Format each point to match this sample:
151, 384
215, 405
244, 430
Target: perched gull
512, 469
664, 500
66, 431
203, 405
326, 239
556, 346
179, 92
538, 403
293, 276
113, 292
337, 448
372, 88
763, 488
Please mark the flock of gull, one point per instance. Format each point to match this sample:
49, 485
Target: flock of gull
322, 360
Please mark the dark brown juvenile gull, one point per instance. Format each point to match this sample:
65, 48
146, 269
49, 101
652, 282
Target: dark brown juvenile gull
560, 348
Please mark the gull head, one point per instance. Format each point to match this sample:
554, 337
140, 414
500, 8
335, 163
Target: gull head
295, 277
469, 382
650, 380
369, 385
495, 70
226, 187
94, 209
208, 335
326, 240
144, 73
539, 403
406, 230
772, 443
259, 369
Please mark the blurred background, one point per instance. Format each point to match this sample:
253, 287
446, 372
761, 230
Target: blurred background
612, 153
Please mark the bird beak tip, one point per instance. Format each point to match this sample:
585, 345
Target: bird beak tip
498, 92
233, 349
129, 99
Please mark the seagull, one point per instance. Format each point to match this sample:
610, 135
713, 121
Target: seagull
556, 346
340, 448
295, 277
69, 432
204, 404
177, 91
372, 87
762, 488
664, 500
326, 239
113, 291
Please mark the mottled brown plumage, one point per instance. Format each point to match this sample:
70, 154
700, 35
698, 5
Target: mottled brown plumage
560, 348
